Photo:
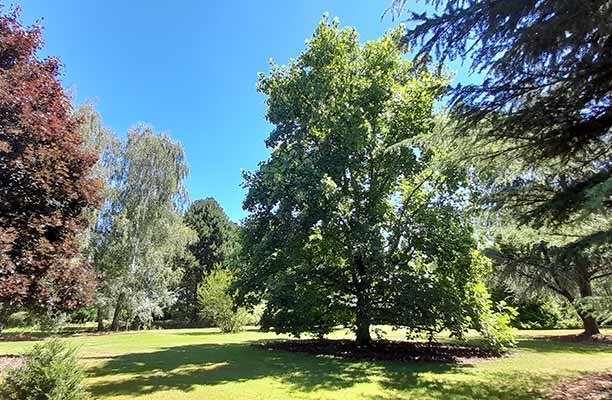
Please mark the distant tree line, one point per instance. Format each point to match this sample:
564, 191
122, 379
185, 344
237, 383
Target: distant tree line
88, 219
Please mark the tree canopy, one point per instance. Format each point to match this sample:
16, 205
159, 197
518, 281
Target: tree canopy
215, 245
348, 225
46, 183
546, 94
143, 236
536, 130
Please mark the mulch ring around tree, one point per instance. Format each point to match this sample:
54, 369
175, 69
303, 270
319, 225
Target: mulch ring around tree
19, 338
387, 350
10, 361
581, 338
589, 387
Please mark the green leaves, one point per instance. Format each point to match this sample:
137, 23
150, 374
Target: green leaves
143, 245
50, 371
348, 220
217, 244
544, 111
216, 301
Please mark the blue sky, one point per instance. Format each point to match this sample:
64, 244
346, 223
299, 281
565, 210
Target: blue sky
189, 68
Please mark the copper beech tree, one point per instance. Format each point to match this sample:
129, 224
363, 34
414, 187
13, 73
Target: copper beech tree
45, 180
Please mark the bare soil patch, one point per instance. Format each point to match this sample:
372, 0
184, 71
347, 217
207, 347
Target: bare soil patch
19, 338
385, 350
581, 338
10, 361
589, 387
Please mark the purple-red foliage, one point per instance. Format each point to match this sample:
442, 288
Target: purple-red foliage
45, 179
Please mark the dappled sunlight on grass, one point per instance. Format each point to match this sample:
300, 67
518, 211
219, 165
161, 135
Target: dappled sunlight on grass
201, 363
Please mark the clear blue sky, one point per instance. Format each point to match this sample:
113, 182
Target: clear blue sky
189, 68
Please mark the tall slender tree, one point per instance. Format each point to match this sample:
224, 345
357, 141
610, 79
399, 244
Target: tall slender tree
214, 247
146, 236
46, 182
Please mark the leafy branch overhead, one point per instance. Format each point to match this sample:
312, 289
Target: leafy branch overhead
535, 133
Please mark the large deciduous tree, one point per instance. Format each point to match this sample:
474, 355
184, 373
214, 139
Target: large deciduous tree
45, 180
213, 248
348, 225
143, 239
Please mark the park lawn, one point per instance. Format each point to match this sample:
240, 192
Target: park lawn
204, 364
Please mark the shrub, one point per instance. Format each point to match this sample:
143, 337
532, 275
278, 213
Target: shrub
217, 302
51, 322
19, 319
50, 372
82, 315
255, 313
538, 314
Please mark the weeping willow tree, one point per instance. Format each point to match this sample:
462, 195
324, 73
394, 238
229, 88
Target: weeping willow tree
143, 238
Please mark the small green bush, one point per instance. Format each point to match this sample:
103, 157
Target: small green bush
82, 315
50, 372
217, 303
51, 322
538, 314
19, 319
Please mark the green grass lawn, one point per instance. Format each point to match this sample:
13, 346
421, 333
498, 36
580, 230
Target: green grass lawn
203, 364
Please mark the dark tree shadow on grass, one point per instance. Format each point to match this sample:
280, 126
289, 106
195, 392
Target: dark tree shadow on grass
186, 367
511, 385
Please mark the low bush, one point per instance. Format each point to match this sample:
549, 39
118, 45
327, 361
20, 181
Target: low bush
538, 314
19, 319
217, 302
50, 372
82, 315
51, 322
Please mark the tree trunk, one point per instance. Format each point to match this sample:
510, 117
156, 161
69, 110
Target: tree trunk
117, 313
362, 329
591, 327
363, 319
195, 305
100, 319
